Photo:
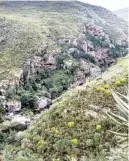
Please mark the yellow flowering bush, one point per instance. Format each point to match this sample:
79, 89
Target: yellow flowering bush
107, 92
74, 141
100, 89
125, 66
98, 127
56, 131
122, 80
106, 86
104, 89
41, 143
71, 124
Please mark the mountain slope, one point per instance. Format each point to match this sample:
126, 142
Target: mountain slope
46, 49
28, 26
73, 128
123, 13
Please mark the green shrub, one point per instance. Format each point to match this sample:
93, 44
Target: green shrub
60, 59
117, 51
54, 92
48, 83
97, 41
28, 100
60, 62
7, 138
83, 55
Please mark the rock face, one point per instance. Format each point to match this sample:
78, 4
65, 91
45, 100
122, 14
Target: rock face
40, 60
80, 43
80, 78
96, 31
1, 156
3, 100
87, 71
72, 50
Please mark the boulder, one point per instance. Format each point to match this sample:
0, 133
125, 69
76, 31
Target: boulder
68, 64
2, 92
1, 156
72, 50
43, 103
95, 71
13, 106
74, 43
51, 59
82, 44
18, 122
2, 99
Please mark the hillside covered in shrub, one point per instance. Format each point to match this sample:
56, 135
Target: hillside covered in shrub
75, 126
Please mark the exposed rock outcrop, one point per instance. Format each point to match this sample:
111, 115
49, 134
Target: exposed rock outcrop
17, 122
80, 43
13, 106
47, 60
95, 71
43, 103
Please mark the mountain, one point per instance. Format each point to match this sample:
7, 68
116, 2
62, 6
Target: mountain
123, 13
55, 60
28, 26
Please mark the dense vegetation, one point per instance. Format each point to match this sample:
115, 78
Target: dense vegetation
118, 51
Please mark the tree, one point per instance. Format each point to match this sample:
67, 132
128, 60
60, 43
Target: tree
28, 100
